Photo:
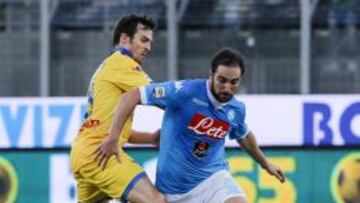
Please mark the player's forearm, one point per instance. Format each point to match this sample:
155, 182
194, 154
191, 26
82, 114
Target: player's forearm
123, 110
249, 144
142, 138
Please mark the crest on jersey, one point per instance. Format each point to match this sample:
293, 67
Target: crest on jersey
231, 115
159, 92
200, 149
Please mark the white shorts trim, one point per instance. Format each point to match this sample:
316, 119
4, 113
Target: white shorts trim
215, 189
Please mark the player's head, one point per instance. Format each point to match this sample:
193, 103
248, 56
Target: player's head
135, 33
227, 68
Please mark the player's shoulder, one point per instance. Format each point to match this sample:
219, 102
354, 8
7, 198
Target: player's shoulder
236, 110
190, 85
237, 104
122, 62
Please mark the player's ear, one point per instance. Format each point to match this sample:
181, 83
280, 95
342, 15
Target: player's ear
124, 39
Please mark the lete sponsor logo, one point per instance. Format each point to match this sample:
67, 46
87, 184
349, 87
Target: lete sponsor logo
208, 126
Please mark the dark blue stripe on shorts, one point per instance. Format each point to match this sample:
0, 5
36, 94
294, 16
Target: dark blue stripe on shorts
131, 185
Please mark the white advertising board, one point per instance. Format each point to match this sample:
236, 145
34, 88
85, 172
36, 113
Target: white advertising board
276, 120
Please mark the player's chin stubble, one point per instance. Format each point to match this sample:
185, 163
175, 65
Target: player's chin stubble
221, 97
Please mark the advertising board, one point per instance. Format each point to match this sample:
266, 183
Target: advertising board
283, 120
325, 175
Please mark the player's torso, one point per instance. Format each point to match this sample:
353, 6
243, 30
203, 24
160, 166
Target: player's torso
203, 128
196, 147
104, 93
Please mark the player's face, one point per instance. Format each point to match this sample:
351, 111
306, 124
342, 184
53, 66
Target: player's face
140, 44
225, 82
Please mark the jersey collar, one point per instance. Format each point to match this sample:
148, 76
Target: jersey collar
213, 100
123, 50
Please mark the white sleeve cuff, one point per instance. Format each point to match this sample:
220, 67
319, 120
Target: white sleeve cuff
143, 95
245, 134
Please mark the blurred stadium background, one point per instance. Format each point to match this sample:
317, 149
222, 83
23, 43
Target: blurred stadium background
302, 58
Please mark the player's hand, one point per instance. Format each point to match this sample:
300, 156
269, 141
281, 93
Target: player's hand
275, 171
106, 149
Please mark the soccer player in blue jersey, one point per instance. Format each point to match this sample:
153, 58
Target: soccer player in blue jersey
199, 114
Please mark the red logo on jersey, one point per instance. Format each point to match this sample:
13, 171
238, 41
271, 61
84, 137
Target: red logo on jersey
89, 124
208, 126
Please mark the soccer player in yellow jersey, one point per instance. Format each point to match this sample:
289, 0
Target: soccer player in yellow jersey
120, 72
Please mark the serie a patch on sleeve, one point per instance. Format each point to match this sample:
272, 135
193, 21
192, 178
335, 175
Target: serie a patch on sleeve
159, 92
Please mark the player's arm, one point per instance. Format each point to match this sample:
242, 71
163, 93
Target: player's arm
124, 109
250, 145
137, 137
161, 95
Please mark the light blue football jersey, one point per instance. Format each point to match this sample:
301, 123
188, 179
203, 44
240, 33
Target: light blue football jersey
193, 132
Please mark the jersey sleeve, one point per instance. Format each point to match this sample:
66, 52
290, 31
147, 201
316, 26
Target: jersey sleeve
127, 80
167, 94
126, 74
239, 129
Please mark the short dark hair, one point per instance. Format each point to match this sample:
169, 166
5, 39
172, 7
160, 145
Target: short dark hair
227, 57
128, 25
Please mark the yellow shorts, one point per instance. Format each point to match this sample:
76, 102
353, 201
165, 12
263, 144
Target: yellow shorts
115, 181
